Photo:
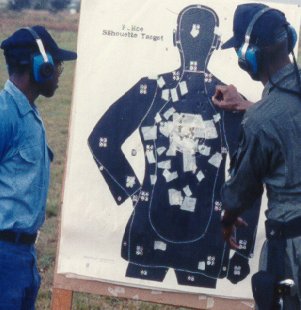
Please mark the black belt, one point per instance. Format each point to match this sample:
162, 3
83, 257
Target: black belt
14, 237
276, 229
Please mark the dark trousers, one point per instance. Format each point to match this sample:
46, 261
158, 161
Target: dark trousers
292, 268
19, 277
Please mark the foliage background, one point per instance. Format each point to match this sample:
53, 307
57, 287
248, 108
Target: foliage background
52, 5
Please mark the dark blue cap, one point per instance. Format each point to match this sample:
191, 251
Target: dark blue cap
264, 30
19, 47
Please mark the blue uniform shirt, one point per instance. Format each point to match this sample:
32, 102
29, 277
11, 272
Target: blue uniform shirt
24, 163
269, 152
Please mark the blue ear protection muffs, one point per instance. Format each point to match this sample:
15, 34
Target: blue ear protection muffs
250, 56
42, 63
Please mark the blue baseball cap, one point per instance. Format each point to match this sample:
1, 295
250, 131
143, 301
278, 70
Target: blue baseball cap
264, 29
19, 47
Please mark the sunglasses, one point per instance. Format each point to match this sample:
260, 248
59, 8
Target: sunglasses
59, 66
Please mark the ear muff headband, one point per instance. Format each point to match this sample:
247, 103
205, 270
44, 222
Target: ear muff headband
246, 44
39, 43
250, 56
42, 63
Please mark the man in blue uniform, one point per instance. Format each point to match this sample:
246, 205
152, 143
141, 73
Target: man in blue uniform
34, 63
269, 151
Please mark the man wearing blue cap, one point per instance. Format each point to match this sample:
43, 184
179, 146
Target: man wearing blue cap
34, 63
269, 152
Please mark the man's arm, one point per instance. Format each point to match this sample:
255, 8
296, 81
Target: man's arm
6, 132
227, 97
256, 154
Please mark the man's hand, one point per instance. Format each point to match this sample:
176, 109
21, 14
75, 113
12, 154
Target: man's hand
229, 225
228, 98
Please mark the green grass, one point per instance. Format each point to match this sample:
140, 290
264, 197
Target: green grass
55, 112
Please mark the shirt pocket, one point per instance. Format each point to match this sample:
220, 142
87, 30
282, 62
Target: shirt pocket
29, 171
31, 155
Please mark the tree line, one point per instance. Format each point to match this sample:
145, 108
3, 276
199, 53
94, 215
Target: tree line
52, 5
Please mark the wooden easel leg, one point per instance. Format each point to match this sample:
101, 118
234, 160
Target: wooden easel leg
61, 299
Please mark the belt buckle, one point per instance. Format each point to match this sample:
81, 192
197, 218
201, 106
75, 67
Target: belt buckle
272, 229
272, 233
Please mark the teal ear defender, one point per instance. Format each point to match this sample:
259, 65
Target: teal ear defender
250, 56
42, 63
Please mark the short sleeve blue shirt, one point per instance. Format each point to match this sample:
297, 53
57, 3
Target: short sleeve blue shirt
24, 163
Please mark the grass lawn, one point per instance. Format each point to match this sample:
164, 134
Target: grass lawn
56, 117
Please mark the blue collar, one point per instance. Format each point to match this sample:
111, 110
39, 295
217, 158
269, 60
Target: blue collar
278, 78
20, 99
